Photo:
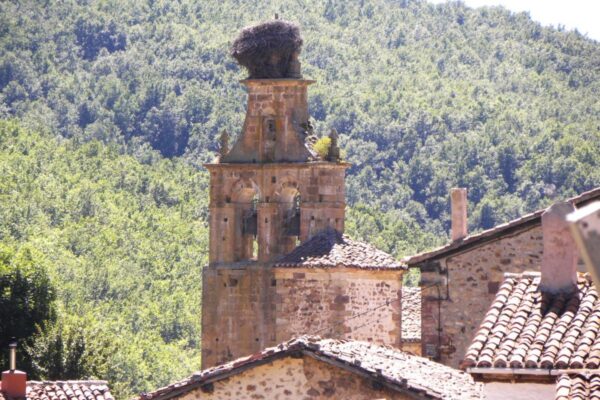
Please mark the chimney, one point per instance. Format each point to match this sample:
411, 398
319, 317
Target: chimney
458, 204
559, 261
14, 382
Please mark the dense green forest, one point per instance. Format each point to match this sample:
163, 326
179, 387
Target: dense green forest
112, 107
123, 243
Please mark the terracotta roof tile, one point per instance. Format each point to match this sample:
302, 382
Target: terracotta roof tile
411, 314
66, 390
578, 386
483, 237
525, 328
388, 365
330, 249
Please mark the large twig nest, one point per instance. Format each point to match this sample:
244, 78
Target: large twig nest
269, 50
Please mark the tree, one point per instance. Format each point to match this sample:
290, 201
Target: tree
27, 298
69, 351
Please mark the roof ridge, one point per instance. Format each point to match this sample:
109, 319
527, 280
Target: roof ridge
499, 230
390, 364
330, 249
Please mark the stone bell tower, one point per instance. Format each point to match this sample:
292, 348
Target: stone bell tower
268, 193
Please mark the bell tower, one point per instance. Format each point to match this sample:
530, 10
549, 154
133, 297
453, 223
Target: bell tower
269, 192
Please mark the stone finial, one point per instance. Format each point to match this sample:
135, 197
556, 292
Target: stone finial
223, 143
559, 261
458, 205
334, 150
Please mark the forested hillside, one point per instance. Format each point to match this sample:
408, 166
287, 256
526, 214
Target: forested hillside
123, 243
116, 104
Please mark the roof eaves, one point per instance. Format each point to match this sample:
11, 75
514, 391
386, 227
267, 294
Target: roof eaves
413, 391
240, 365
522, 223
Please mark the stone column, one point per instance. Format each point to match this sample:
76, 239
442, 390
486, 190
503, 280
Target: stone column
268, 232
222, 234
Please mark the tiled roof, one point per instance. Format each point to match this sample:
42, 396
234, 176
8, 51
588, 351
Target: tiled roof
389, 366
579, 386
332, 249
477, 239
411, 314
525, 328
67, 390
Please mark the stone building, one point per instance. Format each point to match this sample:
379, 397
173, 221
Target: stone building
541, 325
460, 280
313, 368
279, 264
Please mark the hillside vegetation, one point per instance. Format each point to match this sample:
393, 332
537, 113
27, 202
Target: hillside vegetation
123, 243
114, 106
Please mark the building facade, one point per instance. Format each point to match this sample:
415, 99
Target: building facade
460, 280
279, 264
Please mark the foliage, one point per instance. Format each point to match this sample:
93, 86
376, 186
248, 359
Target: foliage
123, 243
425, 97
321, 146
69, 351
27, 298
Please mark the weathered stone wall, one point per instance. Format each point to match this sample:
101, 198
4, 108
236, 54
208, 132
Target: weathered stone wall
234, 187
458, 290
249, 308
294, 378
339, 303
275, 124
237, 313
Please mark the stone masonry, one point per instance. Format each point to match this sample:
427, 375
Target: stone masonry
337, 303
295, 378
457, 290
459, 280
269, 193
310, 367
255, 307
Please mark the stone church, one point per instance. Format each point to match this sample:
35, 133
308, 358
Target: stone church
292, 307
280, 265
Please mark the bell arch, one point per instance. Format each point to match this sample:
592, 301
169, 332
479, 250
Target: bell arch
289, 198
245, 195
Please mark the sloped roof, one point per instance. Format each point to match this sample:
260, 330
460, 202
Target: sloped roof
411, 314
330, 249
397, 370
525, 328
66, 390
578, 386
477, 239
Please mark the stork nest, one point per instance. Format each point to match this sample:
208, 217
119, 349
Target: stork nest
269, 50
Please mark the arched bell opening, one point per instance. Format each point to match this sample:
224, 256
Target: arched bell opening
245, 199
290, 200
